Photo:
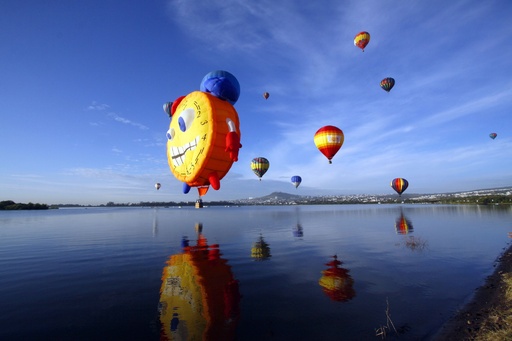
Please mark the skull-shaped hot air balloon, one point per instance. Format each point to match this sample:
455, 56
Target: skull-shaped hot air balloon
203, 139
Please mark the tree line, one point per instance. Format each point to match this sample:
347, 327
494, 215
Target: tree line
11, 205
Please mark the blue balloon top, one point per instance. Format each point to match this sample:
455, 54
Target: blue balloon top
221, 84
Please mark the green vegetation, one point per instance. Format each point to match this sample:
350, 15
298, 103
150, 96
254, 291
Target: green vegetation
11, 205
479, 200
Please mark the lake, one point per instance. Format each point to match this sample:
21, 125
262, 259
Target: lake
330, 272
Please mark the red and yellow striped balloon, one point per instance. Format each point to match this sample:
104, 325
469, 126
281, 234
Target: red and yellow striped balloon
362, 39
399, 185
329, 140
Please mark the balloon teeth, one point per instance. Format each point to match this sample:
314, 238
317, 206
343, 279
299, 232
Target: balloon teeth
178, 153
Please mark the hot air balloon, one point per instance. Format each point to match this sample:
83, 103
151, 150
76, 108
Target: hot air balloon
259, 166
399, 185
362, 39
493, 135
296, 180
167, 109
329, 140
157, 186
203, 139
266, 95
387, 83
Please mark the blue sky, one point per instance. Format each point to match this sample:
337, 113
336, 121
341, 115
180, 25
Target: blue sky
83, 83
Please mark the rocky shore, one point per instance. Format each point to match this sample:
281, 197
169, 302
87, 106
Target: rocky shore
488, 299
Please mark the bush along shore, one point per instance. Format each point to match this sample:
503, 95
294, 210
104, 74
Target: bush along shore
11, 205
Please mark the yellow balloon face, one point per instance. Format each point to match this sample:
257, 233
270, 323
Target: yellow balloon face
196, 139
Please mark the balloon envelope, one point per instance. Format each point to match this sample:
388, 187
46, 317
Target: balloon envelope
167, 108
387, 83
362, 39
399, 185
493, 135
157, 186
329, 140
296, 180
266, 95
221, 84
259, 166
202, 141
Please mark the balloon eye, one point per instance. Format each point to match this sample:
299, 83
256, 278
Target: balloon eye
170, 134
186, 118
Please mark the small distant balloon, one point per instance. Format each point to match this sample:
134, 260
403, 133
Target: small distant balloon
259, 166
266, 95
296, 180
157, 186
399, 185
387, 83
167, 109
362, 39
329, 140
493, 135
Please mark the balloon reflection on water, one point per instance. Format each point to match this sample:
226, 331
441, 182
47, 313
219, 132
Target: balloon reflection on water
403, 225
260, 249
298, 231
199, 296
336, 282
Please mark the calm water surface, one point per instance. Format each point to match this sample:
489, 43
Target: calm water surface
244, 273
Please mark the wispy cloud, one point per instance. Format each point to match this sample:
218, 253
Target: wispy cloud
98, 106
123, 120
471, 107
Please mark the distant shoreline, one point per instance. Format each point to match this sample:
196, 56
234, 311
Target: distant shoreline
9, 205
